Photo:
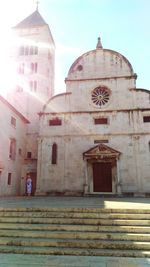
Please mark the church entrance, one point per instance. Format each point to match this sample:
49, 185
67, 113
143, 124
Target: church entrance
102, 177
101, 173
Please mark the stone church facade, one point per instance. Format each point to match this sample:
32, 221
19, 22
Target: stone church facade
95, 138
92, 139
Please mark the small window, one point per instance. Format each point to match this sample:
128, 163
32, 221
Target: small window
146, 119
13, 121
21, 68
31, 50
21, 52
33, 86
12, 149
29, 155
35, 50
26, 50
101, 120
19, 89
9, 178
33, 67
55, 122
54, 153
100, 141
20, 151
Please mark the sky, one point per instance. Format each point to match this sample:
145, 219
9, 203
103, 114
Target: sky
123, 26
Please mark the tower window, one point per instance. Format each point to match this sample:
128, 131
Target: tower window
34, 67
19, 89
21, 52
21, 68
26, 50
33, 86
31, 50
54, 153
35, 50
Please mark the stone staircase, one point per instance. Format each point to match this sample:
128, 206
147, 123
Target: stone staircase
75, 231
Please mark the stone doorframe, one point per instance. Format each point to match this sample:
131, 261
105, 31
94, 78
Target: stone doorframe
101, 153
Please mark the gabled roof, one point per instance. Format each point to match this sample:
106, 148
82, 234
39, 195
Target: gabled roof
33, 20
101, 151
5, 102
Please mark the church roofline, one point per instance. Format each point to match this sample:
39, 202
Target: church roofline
33, 20
140, 89
104, 50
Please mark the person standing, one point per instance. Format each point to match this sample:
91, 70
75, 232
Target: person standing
29, 185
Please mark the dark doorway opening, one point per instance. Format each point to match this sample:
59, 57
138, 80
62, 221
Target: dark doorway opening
102, 177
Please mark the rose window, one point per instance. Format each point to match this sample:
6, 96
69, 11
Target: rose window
100, 96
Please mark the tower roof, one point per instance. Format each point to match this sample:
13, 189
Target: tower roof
33, 20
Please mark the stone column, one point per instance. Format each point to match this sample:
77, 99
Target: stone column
119, 191
39, 168
86, 178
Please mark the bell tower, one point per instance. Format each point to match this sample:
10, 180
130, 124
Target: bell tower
33, 55
33, 58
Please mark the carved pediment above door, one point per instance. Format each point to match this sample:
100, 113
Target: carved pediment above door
101, 151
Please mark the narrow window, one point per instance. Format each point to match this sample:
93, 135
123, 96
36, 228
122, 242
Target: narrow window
101, 120
55, 122
26, 50
21, 52
9, 178
35, 67
35, 50
35, 86
20, 151
21, 68
31, 85
149, 145
13, 121
19, 89
31, 50
54, 153
29, 155
12, 149
32, 67
146, 119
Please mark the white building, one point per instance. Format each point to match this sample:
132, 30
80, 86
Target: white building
12, 149
95, 138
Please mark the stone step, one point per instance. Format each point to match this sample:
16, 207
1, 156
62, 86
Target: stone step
75, 235
77, 210
75, 231
73, 243
75, 221
92, 215
74, 251
74, 228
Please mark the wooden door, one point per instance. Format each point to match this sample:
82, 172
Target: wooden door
102, 177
